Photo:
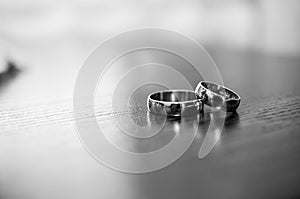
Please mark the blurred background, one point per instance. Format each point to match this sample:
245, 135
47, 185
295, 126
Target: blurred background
50, 39
255, 44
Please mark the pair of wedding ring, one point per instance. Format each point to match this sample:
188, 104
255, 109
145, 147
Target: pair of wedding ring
185, 102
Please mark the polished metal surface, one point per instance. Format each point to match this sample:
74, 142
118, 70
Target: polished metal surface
174, 103
218, 96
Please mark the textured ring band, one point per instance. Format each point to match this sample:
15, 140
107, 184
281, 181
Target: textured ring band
174, 103
218, 96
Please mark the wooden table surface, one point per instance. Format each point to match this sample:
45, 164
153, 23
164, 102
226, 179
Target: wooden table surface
257, 155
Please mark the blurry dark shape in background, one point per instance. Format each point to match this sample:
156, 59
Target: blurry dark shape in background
255, 44
10, 71
54, 37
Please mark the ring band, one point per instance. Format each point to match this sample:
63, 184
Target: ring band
218, 96
174, 103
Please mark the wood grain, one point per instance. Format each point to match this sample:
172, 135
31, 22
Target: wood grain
281, 112
257, 155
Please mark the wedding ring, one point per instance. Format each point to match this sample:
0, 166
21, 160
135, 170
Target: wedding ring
218, 96
174, 103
